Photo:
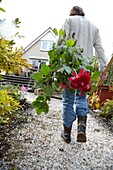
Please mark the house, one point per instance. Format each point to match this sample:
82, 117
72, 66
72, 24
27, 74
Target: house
38, 49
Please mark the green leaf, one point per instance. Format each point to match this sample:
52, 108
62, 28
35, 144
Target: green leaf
48, 90
62, 33
42, 108
40, 84
90, 67
17, 33
70, 43
3, 10
61, 70
50, 53
45, 69
41, 104
53, 67
12, 42
67, 69
55, 31
17, 21
94, 88
73, 35
95, 75
37, 76
75, 42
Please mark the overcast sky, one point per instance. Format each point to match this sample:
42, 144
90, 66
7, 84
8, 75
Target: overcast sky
37, 15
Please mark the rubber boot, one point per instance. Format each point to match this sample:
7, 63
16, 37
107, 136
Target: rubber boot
81, 134
66, 134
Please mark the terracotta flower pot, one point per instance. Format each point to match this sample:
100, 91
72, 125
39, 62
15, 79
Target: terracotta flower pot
105, 92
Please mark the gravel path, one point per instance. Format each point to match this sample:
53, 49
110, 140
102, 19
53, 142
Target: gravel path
37, 145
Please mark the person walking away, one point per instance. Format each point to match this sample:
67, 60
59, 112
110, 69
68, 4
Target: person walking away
39, 65
88, 38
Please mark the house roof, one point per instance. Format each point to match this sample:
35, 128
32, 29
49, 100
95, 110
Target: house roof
38, 38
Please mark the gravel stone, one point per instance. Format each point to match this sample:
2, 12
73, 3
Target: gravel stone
37, 145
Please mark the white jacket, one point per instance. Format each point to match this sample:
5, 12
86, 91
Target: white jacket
87, 36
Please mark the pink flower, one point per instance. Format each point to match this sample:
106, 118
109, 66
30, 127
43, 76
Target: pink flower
23, 88
63, 85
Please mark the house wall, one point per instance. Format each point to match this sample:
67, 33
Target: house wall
49, 37
34, 52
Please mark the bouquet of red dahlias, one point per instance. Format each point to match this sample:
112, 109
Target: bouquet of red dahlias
81, 81
68, 68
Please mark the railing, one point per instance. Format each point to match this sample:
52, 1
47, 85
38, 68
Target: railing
28, 82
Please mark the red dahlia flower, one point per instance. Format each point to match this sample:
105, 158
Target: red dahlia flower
87, 88
63, 85
81, 81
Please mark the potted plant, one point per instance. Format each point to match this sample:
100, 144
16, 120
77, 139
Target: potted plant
106, 83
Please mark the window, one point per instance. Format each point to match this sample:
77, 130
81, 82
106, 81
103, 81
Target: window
46, 45
50, 45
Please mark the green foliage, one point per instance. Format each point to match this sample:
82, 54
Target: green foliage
94, 101
107, 109
9, 102
11, 60
17, 22
63, 60
13, 91
1, 9
41, 104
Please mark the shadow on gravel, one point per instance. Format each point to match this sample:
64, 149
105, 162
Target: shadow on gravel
7, 131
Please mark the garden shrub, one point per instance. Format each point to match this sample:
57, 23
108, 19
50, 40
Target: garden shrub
8, 106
